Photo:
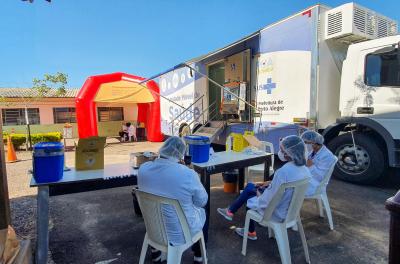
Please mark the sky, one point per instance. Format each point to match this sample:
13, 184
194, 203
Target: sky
89, 37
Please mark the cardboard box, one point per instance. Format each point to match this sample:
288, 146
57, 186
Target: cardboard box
89, 154
253, 141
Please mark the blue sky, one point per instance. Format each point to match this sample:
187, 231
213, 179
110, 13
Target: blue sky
89, 37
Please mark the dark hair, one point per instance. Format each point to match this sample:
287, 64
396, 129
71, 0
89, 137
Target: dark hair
128, 124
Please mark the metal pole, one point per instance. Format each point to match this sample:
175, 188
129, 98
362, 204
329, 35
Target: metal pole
28, 130
5, 219
164, 72
223, 88
203, 75
42, 224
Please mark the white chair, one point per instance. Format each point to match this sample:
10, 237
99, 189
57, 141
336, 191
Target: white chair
259, 169
156, 233
279, 229
322, 198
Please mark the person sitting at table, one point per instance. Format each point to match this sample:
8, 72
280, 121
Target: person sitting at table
131, 131
257, 197
167, 176
319, 159
124, 132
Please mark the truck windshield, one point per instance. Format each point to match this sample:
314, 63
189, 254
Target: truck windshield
383, 69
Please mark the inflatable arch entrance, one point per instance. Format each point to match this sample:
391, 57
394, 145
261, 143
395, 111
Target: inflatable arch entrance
118, 88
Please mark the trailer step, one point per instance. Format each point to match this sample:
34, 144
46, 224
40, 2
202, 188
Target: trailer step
211, 129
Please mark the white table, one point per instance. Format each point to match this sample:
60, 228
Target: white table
225, 161
113, 175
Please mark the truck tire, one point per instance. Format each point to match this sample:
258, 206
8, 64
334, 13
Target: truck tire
367, 166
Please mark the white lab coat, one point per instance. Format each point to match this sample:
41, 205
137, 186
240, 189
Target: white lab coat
322, 162
170, 179
287, 173
132, 131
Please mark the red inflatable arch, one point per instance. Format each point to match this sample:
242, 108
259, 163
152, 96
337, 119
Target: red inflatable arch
118, 88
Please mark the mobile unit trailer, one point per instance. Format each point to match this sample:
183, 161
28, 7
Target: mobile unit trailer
336, 70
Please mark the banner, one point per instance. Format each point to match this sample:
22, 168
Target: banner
284, 69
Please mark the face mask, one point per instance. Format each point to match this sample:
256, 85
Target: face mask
281, 156
309, 148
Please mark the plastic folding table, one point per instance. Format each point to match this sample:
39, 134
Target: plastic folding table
112, 176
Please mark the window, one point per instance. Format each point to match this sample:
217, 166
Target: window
383, 69
64, 115
16, 116
110, 114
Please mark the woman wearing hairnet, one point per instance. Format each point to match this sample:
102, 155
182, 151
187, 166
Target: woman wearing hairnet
165, 176
319, 159
292, 150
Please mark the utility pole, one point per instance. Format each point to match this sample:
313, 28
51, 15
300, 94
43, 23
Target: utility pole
5, 219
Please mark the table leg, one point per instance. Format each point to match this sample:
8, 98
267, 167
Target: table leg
205, 180
42, 225
267, 165
241, 179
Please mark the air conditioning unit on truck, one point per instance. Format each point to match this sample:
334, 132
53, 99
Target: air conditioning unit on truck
335, 70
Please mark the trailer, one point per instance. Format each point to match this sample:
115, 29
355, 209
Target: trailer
334, 70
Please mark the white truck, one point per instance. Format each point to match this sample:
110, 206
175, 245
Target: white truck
335, 70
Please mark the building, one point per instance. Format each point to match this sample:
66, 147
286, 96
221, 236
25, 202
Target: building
49, 113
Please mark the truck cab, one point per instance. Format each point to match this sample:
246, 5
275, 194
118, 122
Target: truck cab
366, 137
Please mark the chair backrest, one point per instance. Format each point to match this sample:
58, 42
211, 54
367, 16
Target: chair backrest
299, 189
322, 186
151, 206
268, 147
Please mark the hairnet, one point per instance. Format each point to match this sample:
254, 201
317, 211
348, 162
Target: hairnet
313, 137
173, 149
294, 147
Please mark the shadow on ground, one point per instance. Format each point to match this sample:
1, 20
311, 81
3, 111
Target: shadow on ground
100, 227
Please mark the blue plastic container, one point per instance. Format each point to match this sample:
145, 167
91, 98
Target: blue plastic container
199, 148
48, 161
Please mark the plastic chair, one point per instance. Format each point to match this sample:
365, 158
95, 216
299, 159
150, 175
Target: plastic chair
321, 196
279, 229
156, 233
259, 169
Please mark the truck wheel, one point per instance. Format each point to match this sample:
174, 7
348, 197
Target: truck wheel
364, 165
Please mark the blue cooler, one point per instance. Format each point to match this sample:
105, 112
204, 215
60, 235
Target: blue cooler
199, 148
48, 161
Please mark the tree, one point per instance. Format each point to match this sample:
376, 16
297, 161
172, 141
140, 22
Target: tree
50, 82
50, 85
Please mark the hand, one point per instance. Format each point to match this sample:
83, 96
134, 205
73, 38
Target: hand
310, 163
263, 184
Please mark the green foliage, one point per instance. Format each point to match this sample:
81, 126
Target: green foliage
19, 139
56, 81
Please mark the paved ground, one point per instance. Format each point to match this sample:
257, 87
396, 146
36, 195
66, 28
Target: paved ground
100, 227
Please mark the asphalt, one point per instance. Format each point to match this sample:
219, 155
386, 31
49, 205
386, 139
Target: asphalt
101, 227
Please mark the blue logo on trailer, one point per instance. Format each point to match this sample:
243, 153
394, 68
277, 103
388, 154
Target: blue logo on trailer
269, 86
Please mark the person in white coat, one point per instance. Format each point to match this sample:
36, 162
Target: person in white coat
167, 177
131, 132
258, 197
319, 159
